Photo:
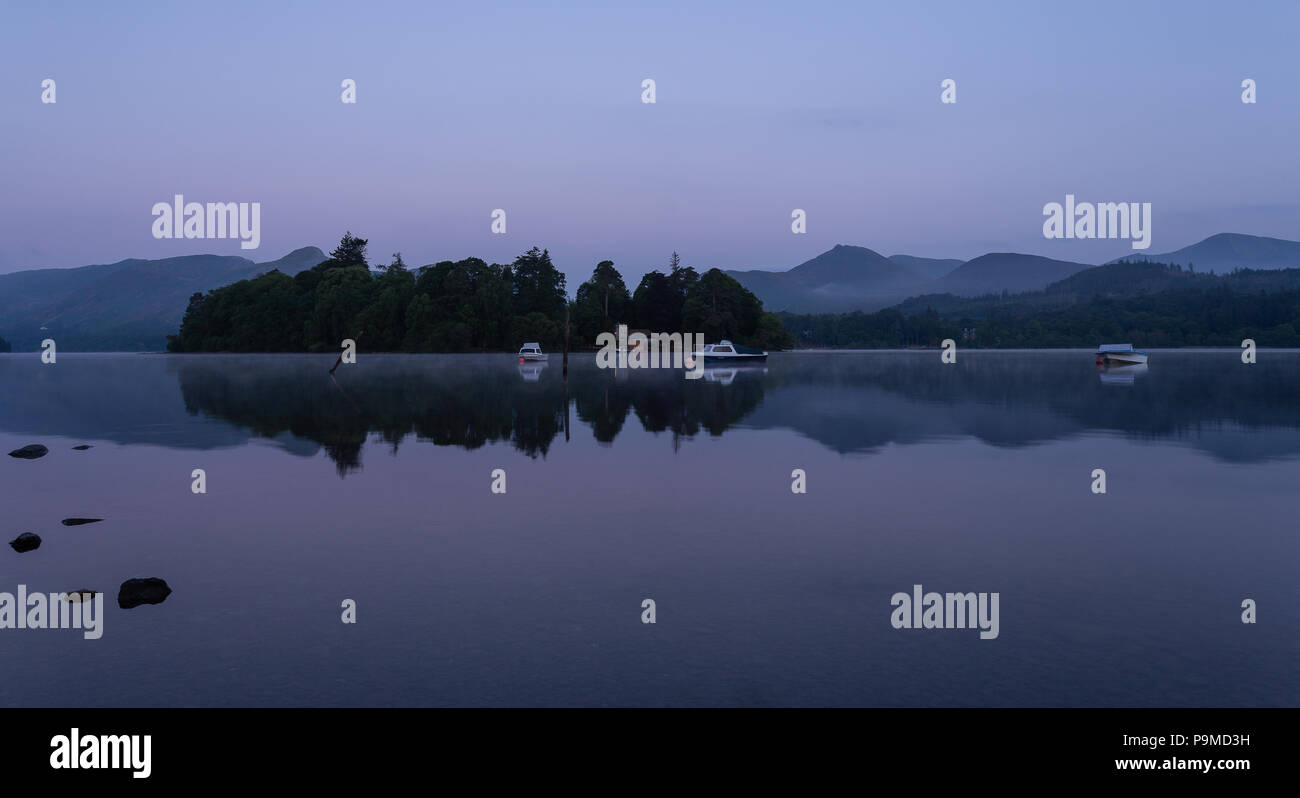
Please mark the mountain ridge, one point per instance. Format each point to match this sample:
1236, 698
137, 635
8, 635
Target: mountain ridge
848, 277
131, 304
1227, 251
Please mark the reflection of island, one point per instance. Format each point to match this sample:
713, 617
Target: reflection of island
464, 401
458, 401
848, 402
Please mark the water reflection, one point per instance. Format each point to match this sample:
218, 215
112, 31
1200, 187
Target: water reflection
726, 376
531, 371
848, 402
1121, 375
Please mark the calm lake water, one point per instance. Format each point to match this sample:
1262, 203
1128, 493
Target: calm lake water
375, 486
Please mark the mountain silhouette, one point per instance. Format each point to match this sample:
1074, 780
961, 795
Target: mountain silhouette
841, 278
1006, 271
129, 305
1227, 251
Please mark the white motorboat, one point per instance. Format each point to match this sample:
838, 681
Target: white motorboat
727, 352
531, 351
1119, 353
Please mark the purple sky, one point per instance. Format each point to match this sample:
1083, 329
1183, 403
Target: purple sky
762, 108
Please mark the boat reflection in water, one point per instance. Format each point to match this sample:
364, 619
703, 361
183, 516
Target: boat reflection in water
726, 376
1122, 375
532, 370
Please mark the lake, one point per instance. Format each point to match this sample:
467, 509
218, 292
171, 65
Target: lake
375, 486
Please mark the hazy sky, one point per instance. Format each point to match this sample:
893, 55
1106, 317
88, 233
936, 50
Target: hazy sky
536, 109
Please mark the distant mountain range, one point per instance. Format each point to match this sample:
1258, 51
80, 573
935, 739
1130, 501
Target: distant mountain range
856, 278
931, 268
1141, 280
837, 279
1227, 251
1006, 271
131, 305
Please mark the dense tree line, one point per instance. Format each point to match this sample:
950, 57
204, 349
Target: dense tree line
466, 305
681, 300
1211, 314
449, 306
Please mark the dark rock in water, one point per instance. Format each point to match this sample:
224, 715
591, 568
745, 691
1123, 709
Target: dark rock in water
26, 542
83, 447
135, 592
30, 452
79, 521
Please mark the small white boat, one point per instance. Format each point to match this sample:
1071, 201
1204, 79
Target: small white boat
1119, 353
727, 352
532, 351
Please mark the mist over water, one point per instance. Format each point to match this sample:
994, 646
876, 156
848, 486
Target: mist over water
374, 486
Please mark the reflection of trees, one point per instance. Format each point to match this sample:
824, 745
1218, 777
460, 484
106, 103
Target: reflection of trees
451, 401
1181, 392
389, 398
846, 402
663, 401
604, 407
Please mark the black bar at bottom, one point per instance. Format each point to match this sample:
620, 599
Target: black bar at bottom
329, 747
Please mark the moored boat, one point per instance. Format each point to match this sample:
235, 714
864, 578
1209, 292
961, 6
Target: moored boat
531, 351
1119, 353
727, 352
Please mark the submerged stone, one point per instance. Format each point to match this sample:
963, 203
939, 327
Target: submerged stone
25, 542
83, 447
30, 452
79, 521
135, 592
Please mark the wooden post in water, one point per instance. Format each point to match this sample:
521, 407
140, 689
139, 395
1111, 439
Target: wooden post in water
566, 372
